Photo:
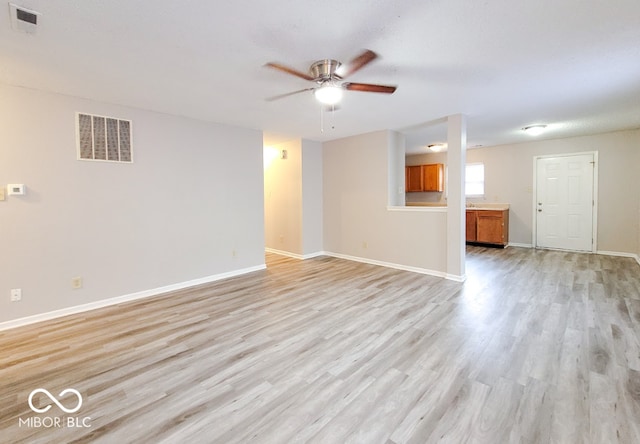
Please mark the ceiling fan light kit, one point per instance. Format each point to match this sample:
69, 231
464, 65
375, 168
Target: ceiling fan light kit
328, 94
534, 130
328, 73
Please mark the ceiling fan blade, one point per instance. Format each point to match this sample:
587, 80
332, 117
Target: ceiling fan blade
282, 96
358, 63
288, 70
367, 87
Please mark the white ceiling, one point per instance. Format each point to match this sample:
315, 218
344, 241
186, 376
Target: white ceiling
572, 64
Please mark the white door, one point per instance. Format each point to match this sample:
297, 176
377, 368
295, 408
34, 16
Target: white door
564, 202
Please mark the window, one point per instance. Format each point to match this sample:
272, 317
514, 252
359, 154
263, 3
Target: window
474, 179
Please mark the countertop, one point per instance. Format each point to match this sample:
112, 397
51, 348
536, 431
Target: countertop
487, 206
470, 206
426, 204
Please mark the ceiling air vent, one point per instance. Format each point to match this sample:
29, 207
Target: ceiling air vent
103, 138
23, 19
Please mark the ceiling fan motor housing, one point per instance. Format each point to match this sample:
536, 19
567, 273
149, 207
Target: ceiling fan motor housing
324, 70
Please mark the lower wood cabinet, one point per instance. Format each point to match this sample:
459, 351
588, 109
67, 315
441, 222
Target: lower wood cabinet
471, 225
488, 226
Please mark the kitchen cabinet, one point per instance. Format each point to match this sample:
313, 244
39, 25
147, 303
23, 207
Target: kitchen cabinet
471, 225
488, 226
413, 178
420, 178
433, 177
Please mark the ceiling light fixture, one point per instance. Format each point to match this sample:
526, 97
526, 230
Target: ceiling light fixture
437, 147
328, 94
534, 130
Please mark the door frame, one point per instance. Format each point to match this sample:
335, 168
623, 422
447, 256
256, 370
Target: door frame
594, 215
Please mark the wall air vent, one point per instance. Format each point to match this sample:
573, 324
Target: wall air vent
103, 138
23, 19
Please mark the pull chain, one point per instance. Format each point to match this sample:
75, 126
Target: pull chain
322, 109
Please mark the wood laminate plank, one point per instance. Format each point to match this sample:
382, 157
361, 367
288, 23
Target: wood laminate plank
535, 347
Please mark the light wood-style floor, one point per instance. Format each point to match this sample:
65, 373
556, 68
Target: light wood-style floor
536, 347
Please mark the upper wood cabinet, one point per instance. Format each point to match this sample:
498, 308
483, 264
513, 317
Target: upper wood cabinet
414, 178
424, 178
433, 177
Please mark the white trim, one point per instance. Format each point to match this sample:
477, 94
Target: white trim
371, 262
393, 265
364, 260
424, 209
619, 254
455, 277
125, 298
594, 228
294, 255
601, 252
515, 244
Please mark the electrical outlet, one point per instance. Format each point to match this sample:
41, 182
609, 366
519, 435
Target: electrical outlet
16, 294
234, 253
281, 238
76, 282
365, 245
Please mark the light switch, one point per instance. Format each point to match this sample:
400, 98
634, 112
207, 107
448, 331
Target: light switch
2, 194
16, 189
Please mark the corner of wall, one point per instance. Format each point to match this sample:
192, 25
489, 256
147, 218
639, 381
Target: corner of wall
312, 203
396, 168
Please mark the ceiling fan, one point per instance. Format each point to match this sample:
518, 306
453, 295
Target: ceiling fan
328, 73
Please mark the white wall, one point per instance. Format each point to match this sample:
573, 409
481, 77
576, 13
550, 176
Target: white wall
357, 222
311, 197
638, 204
192, 197
397, 178
509, 179
283, 197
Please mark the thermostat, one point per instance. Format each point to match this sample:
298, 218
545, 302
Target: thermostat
15, 189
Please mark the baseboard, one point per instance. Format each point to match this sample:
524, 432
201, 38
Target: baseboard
294, 255
619, 254
395, 266
125, 298
371, 262
603, 252
455, 277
